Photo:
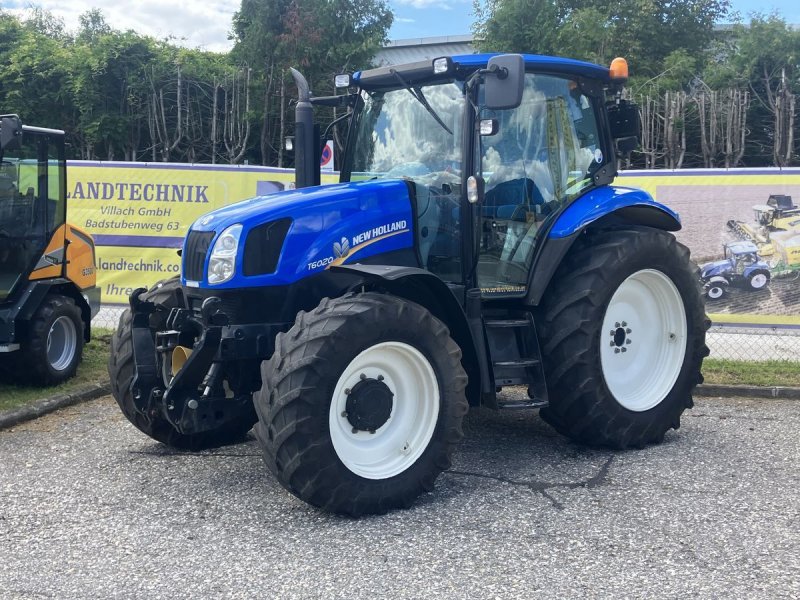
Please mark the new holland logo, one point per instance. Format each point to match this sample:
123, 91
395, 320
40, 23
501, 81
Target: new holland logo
341, 249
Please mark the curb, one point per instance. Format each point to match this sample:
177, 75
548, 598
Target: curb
752, 391
48, 405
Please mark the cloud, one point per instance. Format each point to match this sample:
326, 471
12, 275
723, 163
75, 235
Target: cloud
404, 20
189, 23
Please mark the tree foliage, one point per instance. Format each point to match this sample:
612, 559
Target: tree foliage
120, 95
708, 95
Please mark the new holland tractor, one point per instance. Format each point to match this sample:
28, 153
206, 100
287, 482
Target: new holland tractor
47, 266
740, 266
474, 242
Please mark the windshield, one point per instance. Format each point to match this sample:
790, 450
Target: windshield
398, 137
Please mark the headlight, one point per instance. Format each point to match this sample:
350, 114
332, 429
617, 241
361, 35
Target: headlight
222, 262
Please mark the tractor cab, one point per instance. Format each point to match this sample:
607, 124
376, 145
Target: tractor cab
526, 145
741, 256
32, 207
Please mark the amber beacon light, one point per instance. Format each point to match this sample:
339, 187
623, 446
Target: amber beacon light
619, 69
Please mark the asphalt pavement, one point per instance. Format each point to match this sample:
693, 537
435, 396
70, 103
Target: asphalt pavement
90, 508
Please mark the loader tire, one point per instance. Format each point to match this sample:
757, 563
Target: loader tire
362, 404
52, 350
121, 369
623, 335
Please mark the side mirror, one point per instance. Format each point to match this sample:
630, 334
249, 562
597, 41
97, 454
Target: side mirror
623, 119
504, 81
10, 132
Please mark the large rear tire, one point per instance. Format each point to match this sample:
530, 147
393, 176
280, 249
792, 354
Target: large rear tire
362, 404
163, 294
623, 338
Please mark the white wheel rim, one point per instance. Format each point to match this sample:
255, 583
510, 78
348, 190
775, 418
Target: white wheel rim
758, 281
61, 341
715, 292
402, 439
643, 340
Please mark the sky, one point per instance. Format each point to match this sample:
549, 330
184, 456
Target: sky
206, 23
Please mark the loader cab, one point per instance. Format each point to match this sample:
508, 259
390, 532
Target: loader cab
32, 207
529, 143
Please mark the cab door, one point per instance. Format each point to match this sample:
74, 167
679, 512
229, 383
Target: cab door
543, 156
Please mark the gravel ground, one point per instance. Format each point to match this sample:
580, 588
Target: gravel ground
90, 508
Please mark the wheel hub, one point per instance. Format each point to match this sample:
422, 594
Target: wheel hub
620, 337
369, 404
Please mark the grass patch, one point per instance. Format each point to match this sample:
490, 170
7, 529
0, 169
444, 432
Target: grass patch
93, 369
740, 372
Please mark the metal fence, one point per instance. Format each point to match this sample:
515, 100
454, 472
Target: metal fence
751, 343
732, 342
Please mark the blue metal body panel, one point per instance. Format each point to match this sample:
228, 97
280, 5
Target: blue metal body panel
331, 225
533, 62
600, 202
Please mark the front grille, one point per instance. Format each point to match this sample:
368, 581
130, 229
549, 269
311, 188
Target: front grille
194, 254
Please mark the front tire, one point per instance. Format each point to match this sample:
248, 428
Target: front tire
53, 349
164, 295
624, 338
362, 404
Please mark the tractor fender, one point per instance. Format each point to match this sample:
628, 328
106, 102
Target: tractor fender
22, 311
602, 207
427, 290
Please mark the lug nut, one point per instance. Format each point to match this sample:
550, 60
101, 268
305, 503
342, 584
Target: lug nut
611, 343
611, 333
344, 414
372, 431
624, 324
192, 404
628, 341
380, 377
616, 350
616, 324
624, 349
355, 430
628, 330
362, 377
346, 391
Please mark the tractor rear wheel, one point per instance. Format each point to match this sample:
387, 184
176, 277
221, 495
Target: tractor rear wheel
362, 404
758, 280
623, 338
163, 294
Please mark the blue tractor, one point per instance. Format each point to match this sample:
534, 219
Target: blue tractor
474, 242
740, 266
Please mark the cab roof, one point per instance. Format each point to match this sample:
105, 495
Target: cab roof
467, 63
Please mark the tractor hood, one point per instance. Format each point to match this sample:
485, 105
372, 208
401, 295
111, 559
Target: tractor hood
718, 267
329, 225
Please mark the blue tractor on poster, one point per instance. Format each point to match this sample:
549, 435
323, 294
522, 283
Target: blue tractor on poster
741, 266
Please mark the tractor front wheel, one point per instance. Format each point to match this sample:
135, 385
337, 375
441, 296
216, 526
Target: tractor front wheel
361, 404
624, 338
53, 349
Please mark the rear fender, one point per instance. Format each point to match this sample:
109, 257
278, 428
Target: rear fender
426, 289
602, 208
